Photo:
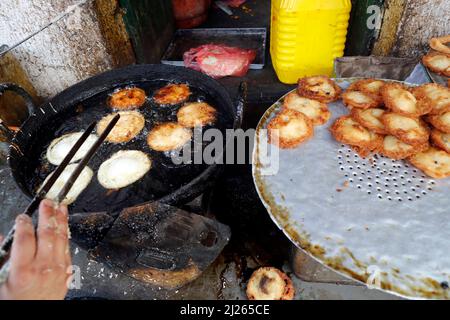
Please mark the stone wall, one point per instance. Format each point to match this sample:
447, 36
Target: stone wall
69, 51
409, 24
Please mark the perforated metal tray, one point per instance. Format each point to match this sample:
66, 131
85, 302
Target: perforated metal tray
376, 220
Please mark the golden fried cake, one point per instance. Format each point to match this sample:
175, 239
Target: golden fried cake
270, 284
440, 122
395, 149
289, 129
316, 111
399, 99
196, 114
410, 130
129, 98
168, 136
438, 62
437, 96
320, 88
128, 127
370, 119
433, 162
441, 139
172, 94
359, 100
348, 131
371, 87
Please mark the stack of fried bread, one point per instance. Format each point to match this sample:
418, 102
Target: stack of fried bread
400, 122
390, 118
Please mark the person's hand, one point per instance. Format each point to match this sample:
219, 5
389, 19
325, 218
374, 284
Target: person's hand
40, 265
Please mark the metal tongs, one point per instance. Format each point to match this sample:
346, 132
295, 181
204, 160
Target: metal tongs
34, 204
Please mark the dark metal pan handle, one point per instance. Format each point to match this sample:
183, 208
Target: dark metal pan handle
28, 102
241, 101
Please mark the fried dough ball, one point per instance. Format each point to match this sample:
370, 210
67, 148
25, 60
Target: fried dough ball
360, 100
348, 131
371, 87
168, 136
441, 139
437, 96
370, 118
196, 114
438, 63
129, 98
434, 162
320, 88
395, 149
441, 122
399, 99
289, 129
129, 126
316, 111
172, 94
413, 131
270, 284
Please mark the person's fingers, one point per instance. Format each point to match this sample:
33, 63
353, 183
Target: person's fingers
67, 256
24, 245
46, 231
61, 240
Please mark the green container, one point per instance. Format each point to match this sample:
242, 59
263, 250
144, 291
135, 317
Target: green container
150, 25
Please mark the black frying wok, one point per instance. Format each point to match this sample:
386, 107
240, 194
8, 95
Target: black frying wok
73, 109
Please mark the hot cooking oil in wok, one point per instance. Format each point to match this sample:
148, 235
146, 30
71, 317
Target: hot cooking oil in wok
164, 177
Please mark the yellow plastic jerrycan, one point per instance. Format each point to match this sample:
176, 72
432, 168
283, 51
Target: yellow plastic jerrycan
306, 36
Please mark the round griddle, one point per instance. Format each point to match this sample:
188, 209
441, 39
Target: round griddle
376, 220
75, 108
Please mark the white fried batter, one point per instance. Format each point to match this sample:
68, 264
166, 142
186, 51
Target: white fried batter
410, 130
129, 126
60, 147
270, 284
124, 168
370, 118
289, 128
172, 94
196, 114
168, 136
316, 111
434, 162
82, 182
